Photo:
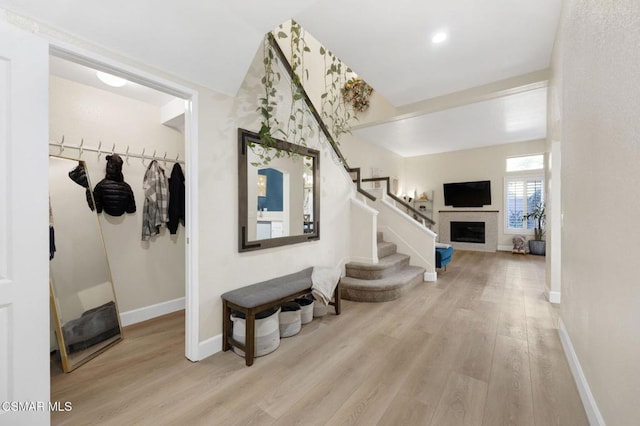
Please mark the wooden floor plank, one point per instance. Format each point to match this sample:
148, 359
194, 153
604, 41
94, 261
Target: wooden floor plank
367, 404
509, 398
480, 345
555, 398
462, 402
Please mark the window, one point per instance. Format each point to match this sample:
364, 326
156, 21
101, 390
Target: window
528, 162
523, 192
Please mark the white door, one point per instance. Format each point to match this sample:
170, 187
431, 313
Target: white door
24, 285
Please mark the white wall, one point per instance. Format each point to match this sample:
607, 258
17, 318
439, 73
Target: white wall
553, 234
144, 273
222, 268
357, 152
370, 157
598, 77
314, 82
429, 172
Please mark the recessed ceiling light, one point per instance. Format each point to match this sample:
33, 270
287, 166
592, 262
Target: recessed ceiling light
439, 37
111, 80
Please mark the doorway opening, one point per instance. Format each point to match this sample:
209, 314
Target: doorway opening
90, 121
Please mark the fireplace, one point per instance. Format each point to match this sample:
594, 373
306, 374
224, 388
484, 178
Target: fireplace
468, 232
487, 218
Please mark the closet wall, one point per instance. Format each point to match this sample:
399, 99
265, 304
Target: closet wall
144, 273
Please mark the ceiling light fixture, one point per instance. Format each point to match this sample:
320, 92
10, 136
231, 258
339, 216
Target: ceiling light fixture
439, 37
111, 80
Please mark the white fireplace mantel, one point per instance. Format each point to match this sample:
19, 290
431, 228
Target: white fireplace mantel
490, 219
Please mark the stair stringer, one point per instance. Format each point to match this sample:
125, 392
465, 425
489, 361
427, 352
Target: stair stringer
363, 225
410, 236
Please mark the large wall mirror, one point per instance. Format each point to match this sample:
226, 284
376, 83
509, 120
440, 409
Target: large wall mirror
278, 202
83, 302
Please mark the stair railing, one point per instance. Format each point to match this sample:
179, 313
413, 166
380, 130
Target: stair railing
358, 181
426, 221
334, 145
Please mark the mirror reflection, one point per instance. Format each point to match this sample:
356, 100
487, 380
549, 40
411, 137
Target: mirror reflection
281, 202
279, 199
83, 301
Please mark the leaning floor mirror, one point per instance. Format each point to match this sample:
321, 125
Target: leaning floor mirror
83, 302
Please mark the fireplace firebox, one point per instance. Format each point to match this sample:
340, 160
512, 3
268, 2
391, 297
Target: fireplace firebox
468, 232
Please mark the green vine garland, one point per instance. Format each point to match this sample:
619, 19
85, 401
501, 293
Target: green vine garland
335, 110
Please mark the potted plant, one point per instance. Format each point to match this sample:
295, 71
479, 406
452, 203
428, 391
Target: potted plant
537, 245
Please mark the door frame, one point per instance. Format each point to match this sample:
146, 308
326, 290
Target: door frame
24, 289
84, 57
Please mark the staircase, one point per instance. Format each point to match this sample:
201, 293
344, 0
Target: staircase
387, 280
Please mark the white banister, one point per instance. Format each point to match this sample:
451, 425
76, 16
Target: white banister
411, 237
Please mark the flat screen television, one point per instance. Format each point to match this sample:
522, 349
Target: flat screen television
467, 194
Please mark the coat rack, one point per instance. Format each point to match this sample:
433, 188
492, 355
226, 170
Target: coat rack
81, 147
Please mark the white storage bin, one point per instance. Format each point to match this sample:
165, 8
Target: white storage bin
306, 308
319, 310
290, 319
267, 334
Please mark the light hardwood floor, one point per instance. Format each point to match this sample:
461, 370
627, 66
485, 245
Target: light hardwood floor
478, 347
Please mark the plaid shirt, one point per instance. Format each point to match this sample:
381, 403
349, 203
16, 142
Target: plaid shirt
156, 201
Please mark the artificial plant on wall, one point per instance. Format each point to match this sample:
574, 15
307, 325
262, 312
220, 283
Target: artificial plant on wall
337, 107
299, 124
357, 91
334, 109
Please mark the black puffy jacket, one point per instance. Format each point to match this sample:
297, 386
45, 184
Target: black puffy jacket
112, 194
176, 198
79, 176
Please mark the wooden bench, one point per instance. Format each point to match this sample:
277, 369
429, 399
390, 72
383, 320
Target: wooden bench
259, 297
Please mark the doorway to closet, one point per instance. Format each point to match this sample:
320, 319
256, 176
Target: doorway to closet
90, 120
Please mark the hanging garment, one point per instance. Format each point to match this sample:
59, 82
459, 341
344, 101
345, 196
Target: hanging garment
52, 243
156, 201
79, 176
112, 194
176, 198
52, 235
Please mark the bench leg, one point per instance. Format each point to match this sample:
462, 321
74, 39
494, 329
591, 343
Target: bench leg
250, 340
227, 326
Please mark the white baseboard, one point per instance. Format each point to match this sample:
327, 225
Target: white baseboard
589, 402
430, 276
553, 296
210, 346
148, 312
505, 247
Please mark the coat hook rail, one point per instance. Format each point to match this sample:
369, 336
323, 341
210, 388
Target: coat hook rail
81, 147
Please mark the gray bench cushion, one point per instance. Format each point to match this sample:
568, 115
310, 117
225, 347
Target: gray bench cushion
270, 290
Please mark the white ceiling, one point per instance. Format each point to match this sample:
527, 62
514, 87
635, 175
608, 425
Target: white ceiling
87, 76
389, 43
507, 119
386, 42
